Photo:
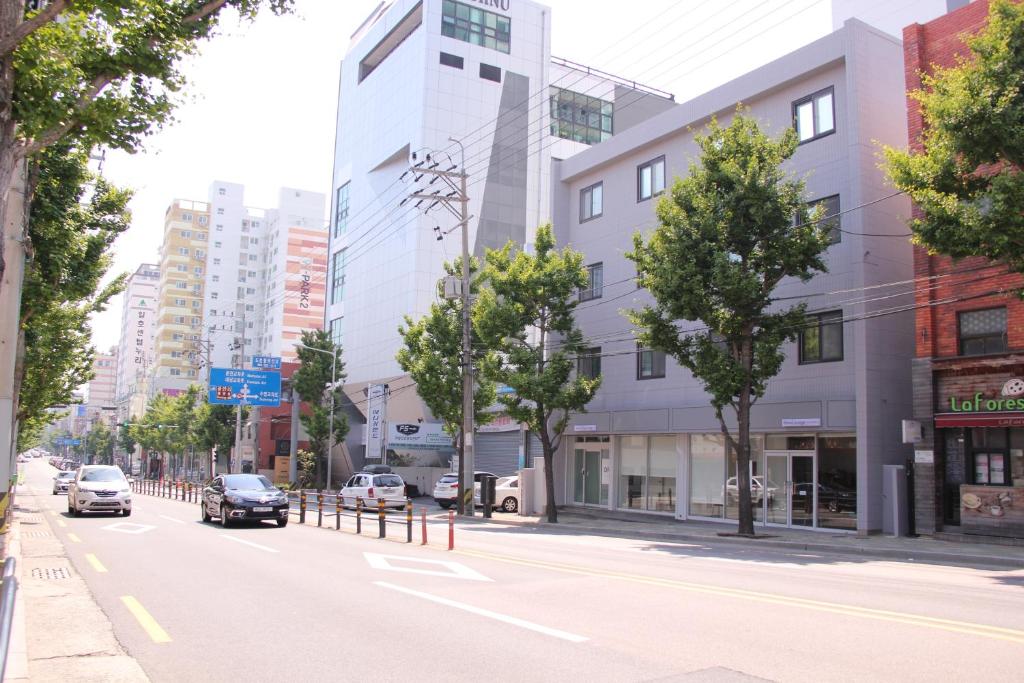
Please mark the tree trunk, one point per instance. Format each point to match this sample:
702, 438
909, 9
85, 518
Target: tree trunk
549, 468
746, 511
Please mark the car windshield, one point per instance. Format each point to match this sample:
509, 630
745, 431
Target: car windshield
388, 480
449, 479
105, 474
65, 475
247, 482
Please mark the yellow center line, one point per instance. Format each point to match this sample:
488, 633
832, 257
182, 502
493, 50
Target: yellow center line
96, 564
74, 538
983, 630
147, 622
61, 523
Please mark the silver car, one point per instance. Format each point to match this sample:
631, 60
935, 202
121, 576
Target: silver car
99, 488
61, 481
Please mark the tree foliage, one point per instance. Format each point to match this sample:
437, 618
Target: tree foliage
967, 180
312, 381
524, 315
74, 219
728, 234
432, 355
99, 444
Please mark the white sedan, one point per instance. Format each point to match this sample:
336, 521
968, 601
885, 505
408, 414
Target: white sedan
506, 494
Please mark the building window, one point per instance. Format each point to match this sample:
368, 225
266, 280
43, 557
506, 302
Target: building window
335, 329
200, 253
982, 332
453, 61
579, 117
337, 276
595, 282
821, 340
253, 257
591, 202
490, 73
182, 268
650, 364
175, 372
187, 234
814, 116
341, 210
181, 285
830, 218
179, 302
650, 179
187, 217
203, 220
589, 363
183, 251
476, 26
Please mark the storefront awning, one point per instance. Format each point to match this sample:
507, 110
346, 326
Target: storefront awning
1004, 419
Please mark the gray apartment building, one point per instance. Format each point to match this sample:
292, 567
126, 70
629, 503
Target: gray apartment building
830, 420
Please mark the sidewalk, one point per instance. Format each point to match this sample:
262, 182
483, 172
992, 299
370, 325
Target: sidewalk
647, 527
59, 633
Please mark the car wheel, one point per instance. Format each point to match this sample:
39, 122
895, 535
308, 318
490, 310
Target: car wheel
225, 520
206, 513
126, 512
282, 522
510, 504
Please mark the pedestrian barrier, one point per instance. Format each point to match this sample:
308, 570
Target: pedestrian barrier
8, 594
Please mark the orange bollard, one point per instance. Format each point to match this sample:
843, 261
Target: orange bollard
451, 529
423, 520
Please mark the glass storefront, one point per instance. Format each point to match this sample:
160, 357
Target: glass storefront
647, 473
758, 486
591, 470
837, 482
707, 475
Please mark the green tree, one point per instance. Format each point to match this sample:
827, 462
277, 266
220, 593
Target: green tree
728, 233
432, 355
99, 444
312, 381
74, 219
125, 438
524, 316
967, 179
215, 428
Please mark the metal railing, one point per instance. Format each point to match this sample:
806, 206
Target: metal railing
8, 594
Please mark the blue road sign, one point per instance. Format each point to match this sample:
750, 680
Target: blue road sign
230, 386
266, 362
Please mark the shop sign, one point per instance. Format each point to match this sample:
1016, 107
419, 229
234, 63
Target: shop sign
584, 428
1011, 398
500, 423
924, 457
426, 436
801, 422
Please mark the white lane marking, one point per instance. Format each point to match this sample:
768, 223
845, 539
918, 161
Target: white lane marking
128, 527
504, 618
173, 519
451, 570
249, 543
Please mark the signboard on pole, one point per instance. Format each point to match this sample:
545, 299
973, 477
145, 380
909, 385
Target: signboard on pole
231, 387
376, 396
266, 362
425, 436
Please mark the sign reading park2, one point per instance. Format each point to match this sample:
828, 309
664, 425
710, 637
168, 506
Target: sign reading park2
231, 386
1012, 399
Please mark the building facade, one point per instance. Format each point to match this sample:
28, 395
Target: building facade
472, 83
138, 335
179, 315
829, 421
969, 464
103, 385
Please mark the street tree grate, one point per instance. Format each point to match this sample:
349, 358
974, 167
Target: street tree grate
51, 573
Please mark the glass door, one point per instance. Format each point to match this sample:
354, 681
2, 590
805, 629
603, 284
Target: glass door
790, 490
591, 468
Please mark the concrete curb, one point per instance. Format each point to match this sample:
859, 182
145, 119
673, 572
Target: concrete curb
924, 554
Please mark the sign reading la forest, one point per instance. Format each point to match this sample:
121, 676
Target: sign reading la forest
1012, 398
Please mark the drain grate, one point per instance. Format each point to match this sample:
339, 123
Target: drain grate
29, 519
38, 534
51, 573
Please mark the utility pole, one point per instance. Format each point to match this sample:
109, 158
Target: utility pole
457, 195
237, 455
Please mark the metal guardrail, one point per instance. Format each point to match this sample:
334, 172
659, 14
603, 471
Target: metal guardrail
8, 594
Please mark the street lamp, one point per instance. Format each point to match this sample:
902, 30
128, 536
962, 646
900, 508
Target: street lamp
330, 420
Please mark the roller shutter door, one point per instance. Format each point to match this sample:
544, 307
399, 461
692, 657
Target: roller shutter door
535, 448
497, 453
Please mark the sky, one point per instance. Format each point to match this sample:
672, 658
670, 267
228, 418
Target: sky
260, 105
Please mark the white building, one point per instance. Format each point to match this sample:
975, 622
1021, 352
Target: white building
138, 328
419, 73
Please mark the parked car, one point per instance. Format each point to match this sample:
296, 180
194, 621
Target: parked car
506, 494
446, 490
61, 481
238, 497
834, 498
99, 488
370, 487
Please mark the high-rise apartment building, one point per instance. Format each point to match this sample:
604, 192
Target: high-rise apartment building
102, 386
477, 86
179, 323
138, 330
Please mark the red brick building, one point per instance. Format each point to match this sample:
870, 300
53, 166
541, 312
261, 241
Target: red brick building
969, 467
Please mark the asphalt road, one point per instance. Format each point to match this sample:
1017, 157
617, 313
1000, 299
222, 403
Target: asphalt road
196, 602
